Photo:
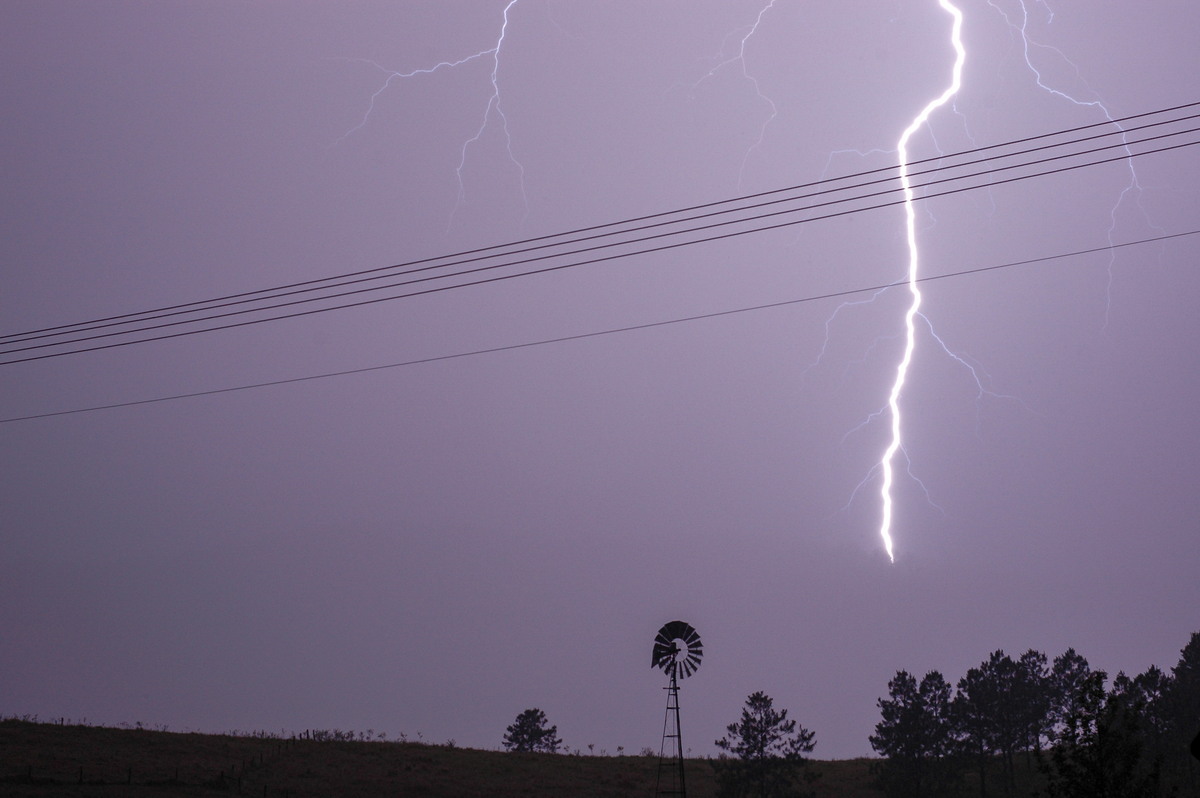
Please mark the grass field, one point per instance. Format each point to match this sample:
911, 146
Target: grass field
43, 759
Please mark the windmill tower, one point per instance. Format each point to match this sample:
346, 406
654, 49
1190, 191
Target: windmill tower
677, 651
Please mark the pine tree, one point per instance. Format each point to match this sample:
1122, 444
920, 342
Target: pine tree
1181, 701
915, 736
763, 754
529, 732
1098, 748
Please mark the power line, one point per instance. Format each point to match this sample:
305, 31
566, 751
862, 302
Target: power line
495, 252
212, 304
610, 331
1124, 145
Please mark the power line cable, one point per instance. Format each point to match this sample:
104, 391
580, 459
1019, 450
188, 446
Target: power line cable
610, 331
498, 251
215, 304
757, 217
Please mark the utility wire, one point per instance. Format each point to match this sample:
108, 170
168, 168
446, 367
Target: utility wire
460, 259
1124, 145
573, 236
610, 331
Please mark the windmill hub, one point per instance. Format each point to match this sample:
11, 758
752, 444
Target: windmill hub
677, 650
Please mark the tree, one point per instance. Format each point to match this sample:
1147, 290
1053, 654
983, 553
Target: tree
1181, 713
915, 735
1135, 709
1150, 690
1098, 749
1068, 682
1008, 721
990, 716
1033, 700
529, 732
763, 754
971, 710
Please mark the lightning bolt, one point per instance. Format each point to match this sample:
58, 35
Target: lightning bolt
1028, 44
493, 107
885, 463
494, 104
740, 59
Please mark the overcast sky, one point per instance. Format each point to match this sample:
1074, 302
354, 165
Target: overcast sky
433, 548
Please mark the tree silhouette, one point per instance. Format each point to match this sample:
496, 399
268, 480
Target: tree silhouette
529, 732
1098, 747
1138, 739
1032, 694
1068, 683
1181, 702
1135, 706
971, 710
915, 735
763, 754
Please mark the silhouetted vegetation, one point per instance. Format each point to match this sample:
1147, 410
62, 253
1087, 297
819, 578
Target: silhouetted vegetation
530, 732
1028, 727
916, 736
42, 759
1008, 727
763, 753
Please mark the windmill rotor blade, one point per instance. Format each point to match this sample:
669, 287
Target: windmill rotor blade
675, 629
664, 647
677, 649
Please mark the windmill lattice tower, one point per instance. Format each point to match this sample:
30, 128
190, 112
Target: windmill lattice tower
677, 652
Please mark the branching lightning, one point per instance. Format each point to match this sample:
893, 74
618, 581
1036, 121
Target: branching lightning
740, 59
1028, 44
493, 106
892, 407
734, 54
913, 273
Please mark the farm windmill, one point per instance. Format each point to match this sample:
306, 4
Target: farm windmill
677, 652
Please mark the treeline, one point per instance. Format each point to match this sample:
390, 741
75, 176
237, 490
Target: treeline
1083, 736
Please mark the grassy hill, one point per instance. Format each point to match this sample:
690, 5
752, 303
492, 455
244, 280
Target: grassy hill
42, 759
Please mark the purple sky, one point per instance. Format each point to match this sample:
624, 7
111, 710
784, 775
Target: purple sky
435, 548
